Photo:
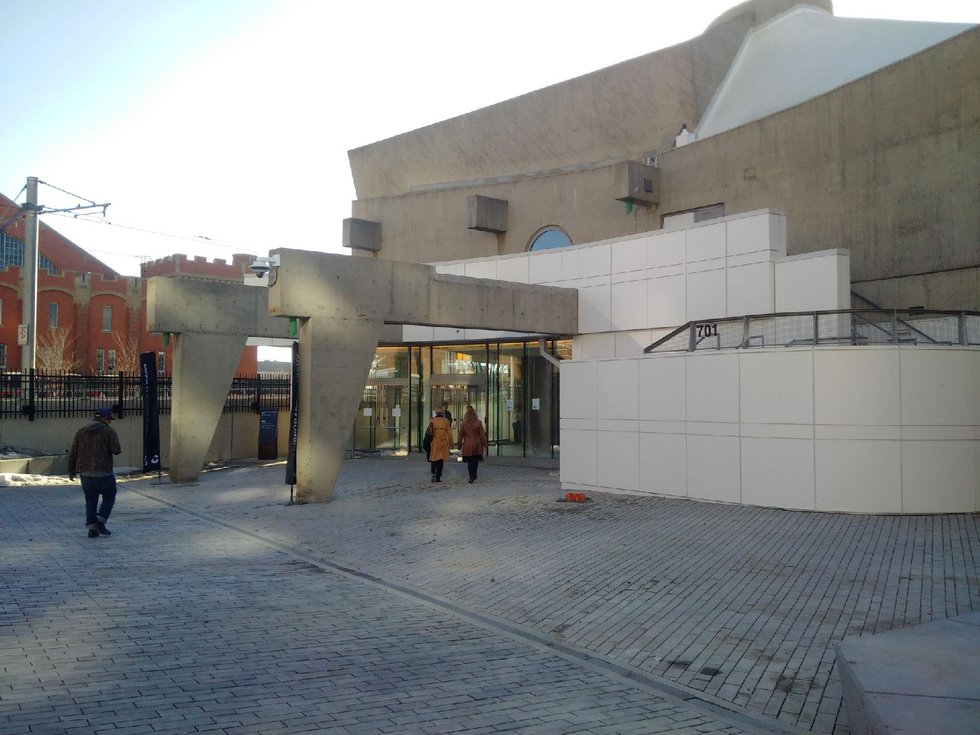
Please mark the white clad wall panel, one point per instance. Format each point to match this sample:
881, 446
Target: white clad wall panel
857, 387
749, 290
778, 473
706, 243
754, 234
569, 264
667, 248
481, 269
934, 386
629, 255
713, 468
578, 389
712, 387
578, 460
859, 476
663, 464
939, 477
617, 384
513, 269
594, 346
776, 387
706, 295
545, 267
454, 269
628, 305
632, 344
618, 460
662, 388
594, 261
595, 309
666, 301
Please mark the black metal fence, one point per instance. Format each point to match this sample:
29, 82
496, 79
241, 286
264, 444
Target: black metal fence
40, 394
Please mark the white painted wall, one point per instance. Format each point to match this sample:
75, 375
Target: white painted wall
845, 429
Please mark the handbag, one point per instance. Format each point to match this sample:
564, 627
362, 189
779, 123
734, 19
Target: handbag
427, 440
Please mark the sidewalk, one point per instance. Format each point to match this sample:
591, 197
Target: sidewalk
464, 608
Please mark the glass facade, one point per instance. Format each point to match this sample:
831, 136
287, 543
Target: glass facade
513, 388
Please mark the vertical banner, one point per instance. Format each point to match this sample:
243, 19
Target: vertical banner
151, 412
293, 418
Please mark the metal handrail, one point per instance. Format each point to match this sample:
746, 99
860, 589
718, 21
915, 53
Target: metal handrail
696, 329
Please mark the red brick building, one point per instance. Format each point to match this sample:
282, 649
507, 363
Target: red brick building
90, 319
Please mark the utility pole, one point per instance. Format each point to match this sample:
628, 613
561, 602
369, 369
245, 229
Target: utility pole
28, 276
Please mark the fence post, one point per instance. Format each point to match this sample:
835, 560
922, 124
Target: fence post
692, 343
961, 328
894, 326
120, 410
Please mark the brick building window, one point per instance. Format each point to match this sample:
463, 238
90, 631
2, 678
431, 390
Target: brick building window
12, 253
112, 361
3, 357
161, 362
1, 311
99, 361
106, 318
53, 315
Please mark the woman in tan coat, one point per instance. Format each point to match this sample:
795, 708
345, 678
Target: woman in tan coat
472, 441
441, 436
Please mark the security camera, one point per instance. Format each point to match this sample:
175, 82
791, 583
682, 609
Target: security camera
261, 266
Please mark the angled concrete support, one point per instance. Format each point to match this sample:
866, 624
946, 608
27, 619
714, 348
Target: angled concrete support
335, 359
204, 368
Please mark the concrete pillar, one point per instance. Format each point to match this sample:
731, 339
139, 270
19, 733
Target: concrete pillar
335, 359
204, 368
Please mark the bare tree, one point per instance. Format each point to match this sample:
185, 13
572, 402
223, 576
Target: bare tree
56, 351
127, 353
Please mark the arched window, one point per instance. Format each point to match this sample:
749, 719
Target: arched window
550, 237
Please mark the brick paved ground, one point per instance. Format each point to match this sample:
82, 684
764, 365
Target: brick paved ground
722, 605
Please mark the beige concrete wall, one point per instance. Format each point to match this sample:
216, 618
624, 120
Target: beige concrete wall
886, 167
627, 109
237, 436
431, 226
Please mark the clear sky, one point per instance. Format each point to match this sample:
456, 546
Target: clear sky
227, 122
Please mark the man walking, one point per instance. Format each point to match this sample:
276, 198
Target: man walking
91, 459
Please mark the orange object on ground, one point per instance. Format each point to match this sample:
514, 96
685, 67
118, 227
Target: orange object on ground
575, 497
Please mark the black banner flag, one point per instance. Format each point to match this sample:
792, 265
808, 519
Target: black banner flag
151, 412
293, 418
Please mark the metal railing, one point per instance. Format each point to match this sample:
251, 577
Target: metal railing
844, 327
40, 394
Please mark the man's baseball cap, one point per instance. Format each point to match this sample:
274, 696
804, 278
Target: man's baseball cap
103, 413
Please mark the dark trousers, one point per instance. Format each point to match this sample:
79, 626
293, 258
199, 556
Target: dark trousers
436, 469
93, 487
471, 465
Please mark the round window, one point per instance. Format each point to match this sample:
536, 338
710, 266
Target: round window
551, 237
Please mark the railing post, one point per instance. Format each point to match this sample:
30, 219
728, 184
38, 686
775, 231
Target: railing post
894, 326
961, 328
692, 342
816, 329
745, 331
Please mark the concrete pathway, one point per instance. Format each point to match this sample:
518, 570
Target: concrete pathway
406, 607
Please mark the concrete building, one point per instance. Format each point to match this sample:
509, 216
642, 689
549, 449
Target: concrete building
783, 160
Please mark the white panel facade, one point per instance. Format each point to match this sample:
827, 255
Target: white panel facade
578, 461
578, 390
545, 267
778, 473
934, 385
857, 387
749, 289
776, 387
618, 460
859, 476
616, 389
513, 269
663, 463
712, 387
714, 468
